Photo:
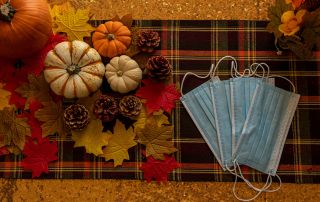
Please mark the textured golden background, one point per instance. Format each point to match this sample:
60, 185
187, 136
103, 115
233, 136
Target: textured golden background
124, 190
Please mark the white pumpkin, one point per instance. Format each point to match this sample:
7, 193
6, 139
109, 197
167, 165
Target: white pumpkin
74, 69
123, 74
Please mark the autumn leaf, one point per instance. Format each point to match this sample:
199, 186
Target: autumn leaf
160, 119
92, 137
134, 48
88, 102
158, 95
155, 138
275, 12
52, 116
73, 22
158, 170
38, 154
13, 130
4, 97
36, 89
121, 140
127, 20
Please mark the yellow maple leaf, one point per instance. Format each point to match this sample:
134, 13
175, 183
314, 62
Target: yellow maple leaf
143, 118
92, 137
121, 140
4, 97
13, 130
155, 138
71, 21
52, 116
37, 88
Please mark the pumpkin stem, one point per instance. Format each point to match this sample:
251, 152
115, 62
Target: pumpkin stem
7, 11
73, 69
111, 36
119, 73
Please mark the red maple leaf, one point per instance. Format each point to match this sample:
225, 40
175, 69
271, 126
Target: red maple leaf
36, 131
157, 169
158, 95
4, 151
14, 72
38, 154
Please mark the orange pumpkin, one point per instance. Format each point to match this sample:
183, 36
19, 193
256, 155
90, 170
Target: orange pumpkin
111, 39
25, 26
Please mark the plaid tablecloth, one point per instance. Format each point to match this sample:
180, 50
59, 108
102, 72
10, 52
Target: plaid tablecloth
194, 46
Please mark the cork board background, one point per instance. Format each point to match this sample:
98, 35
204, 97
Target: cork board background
124, 190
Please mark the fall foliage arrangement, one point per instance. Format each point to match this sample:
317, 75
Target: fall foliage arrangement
65, 78
296, 26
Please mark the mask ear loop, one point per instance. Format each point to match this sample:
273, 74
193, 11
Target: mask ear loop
196, 75
234, 65
263, 189
264, 65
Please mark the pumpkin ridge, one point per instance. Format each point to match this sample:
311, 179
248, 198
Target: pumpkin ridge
56, 78
93, 63
107, 31
87, 86
84, 53
75, 88
62, 60
70, 47
64, 87
53, 67
92, 73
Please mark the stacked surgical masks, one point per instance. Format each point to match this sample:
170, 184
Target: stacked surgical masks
244, 120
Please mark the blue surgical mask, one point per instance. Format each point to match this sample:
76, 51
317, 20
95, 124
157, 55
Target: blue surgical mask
198, 105
266, 128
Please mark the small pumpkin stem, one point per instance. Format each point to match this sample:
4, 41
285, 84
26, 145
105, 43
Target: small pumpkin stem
7, 11
111, 36
73, 69
119, 73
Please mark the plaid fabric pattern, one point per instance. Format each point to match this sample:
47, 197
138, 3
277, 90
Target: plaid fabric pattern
194, 46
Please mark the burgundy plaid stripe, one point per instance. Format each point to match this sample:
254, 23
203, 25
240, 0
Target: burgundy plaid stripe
194, 46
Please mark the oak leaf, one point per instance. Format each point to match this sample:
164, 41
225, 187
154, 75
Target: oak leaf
92, 137
71, 21
37, 89
52, 116
158, 170
13, 130
121, 140
155, 138
4, 97
158, 95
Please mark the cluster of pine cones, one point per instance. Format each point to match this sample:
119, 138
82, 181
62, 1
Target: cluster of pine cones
106, 108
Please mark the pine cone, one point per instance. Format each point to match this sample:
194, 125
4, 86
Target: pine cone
106, 108
130, 106
148, 40
76, 117
159, 67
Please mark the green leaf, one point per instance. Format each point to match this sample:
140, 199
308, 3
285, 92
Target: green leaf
274, 13
312, 20
293, 43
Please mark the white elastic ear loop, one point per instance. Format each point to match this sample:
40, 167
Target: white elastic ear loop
254, 68
266, 186
191, 73
262, 65
234, 64
236, 166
